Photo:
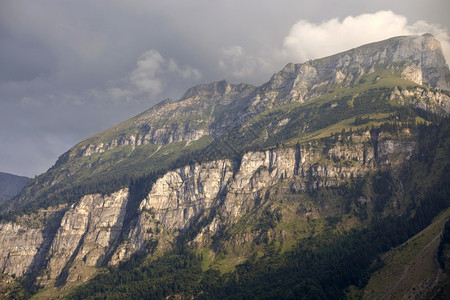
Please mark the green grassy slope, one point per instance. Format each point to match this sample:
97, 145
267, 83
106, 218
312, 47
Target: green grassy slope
411, 270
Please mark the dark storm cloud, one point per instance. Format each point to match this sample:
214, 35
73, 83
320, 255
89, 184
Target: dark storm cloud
69, 69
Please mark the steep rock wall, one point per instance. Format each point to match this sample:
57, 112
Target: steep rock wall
420, 57
434, 101
19, 247
204, 197
87, 231
186, 196
175, 201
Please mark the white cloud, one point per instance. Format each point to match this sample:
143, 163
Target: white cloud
151, 77
187, 73
308, 40
153, 73
147, 76
235, 62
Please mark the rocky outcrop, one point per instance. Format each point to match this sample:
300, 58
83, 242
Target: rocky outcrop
166, 134
88, 231
176, 201
420, 57
20, 245
25, 242
215, 194
181, 196
435, 101
84, 236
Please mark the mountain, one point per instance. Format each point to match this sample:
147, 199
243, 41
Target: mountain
290, 189
10, 185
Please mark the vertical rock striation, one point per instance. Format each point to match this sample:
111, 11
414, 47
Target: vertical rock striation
87, 231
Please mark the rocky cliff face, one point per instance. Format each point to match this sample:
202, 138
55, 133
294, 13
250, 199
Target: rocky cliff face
20, 245
216, 191
188, 119
87, 233
420, 59
25, 243
434, 101
84, 236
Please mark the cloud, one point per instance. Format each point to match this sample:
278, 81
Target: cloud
147, 77
43, 120
151, 76
236, 63
308, 40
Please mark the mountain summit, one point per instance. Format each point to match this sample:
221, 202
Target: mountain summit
418, 59
234, 184
211, 109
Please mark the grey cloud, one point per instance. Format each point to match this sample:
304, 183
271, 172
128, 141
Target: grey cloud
152, 69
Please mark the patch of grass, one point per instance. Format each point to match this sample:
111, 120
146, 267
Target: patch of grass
207, 258
52, 292
410, 268
226, 263
347, 124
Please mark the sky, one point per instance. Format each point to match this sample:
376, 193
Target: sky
70, 69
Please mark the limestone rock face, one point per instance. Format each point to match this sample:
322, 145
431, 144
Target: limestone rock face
19, 246
187, 195
175, 201
215, 194
434, 101
88, 231
181, 195
420, 57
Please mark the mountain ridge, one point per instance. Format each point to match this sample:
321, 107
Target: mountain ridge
432, 59
261, 98
10, 185
195, 120
238, 172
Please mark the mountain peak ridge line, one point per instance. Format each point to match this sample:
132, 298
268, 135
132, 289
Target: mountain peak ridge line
234, 167
422, 57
